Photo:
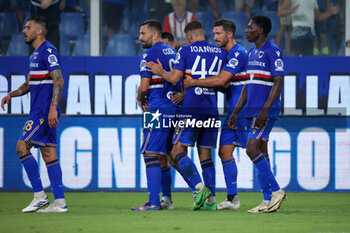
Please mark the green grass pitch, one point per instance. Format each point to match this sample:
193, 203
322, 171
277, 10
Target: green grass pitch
110, 212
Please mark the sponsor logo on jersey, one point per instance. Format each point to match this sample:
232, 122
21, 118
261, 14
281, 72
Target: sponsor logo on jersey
35, 55
169, 95
49, 50
198, 90
144, 55
236, 54
35, 65
256, 63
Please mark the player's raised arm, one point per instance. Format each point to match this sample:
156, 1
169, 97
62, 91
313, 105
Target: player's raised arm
241, 102
21, 90
58, 81
157, 68
275, 92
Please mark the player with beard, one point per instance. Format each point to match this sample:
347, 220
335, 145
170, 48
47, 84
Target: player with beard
233, 76
155, 95
45, 84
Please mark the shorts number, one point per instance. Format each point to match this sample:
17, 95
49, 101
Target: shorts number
253, 124
28, 125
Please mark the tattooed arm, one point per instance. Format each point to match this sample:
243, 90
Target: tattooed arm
56, 76
22, 90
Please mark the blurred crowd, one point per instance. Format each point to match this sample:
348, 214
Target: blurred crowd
300, 27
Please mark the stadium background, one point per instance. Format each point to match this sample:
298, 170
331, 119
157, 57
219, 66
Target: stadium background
100, 129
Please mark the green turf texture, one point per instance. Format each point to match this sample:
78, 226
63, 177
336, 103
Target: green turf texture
110, 212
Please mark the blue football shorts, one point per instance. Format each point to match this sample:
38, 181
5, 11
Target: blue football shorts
157, 141
202, 137
257, 133
237, 137
38, 132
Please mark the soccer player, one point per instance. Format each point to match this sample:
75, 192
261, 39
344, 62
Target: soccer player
177, 99
45, 84
200, 60
168, 38
154, 95
261, 95
233, 74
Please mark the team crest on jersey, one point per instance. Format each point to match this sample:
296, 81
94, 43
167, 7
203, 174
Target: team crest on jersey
143, 65
49, 50
233, 62
279, 64
261, 53
53, 60
198, 90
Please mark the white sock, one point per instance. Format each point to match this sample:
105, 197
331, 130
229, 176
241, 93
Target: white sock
167, 199
199, 187
210, 200
60, 202
40, 195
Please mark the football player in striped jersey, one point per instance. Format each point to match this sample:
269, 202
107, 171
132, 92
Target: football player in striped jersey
261, 98
45, 84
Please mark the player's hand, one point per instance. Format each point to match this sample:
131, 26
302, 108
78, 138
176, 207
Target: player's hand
5, 100
143, 105
53, 117
261, 119
232, 121
177, 98
155, 68
188, 81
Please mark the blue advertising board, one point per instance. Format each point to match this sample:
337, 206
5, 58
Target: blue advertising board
99, 135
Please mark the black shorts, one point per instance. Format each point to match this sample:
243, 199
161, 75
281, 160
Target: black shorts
112, 14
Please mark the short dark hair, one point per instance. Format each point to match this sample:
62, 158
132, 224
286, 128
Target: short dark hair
264, 22
227, 25
168, 35
153, 24
193, 25
41, 20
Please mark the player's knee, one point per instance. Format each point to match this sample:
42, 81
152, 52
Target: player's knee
21, 150
224, 156
163, 161
251, 152
172, 163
